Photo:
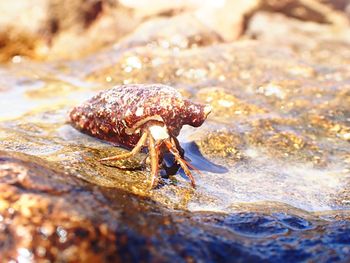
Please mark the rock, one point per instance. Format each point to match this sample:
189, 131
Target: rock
78, 28
309, 10
227, 18
54, 29
67, 29
19, 29
49, 215
260, 22
40, 214
182, 31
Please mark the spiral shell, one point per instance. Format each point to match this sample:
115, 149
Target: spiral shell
118, 114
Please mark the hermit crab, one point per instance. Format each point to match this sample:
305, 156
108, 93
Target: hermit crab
137, 115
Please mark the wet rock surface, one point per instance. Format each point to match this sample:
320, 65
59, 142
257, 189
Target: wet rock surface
46, 214
273, 155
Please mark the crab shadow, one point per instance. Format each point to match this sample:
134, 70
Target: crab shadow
196, 159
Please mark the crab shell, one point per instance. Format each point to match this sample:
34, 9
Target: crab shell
118, 115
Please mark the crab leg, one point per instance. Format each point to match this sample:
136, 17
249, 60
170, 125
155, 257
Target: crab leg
171, 170
154, 156
175, 142
134, 151
173, 149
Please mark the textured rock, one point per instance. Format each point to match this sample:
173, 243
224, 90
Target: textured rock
46, 214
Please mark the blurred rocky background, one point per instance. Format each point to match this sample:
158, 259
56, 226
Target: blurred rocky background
69, 29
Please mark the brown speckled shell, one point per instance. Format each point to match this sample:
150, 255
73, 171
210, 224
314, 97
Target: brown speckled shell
109, 114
